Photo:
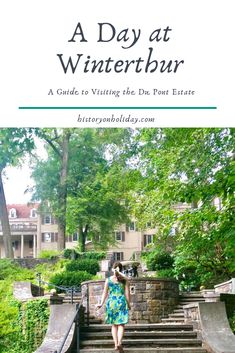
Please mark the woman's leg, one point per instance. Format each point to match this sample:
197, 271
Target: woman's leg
120, 333
115, 334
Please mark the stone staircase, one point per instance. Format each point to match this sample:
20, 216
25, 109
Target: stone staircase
185, 298
172, 335
146, 338
76, 298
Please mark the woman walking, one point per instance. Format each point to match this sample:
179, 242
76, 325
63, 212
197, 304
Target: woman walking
117, 290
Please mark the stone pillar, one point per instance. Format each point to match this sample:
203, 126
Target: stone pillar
22, 246
34, 245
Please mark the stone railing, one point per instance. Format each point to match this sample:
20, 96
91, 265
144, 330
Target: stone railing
226, 287
151, 298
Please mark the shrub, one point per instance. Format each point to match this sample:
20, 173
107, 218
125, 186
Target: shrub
96, 255
88, 265
166, 273
70, 279
69, 253
49, 254
74, 254
159, 260
232, 322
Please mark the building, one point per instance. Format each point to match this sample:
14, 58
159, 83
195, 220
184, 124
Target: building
32, 231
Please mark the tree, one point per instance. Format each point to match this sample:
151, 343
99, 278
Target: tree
14, 144
191, 166
51, 176
92, 207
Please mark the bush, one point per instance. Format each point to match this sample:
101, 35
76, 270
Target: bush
232, 322
96, 255
88, 265
74, 254
159, 260
166, 273
70, 279
49, 254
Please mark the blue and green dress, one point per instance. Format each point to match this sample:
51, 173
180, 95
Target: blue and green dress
116, 305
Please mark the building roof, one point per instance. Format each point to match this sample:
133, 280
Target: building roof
23, 210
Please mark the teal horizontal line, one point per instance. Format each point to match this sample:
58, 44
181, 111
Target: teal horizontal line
115, 108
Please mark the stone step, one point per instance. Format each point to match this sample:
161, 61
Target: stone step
173, 319
147, 350
141, 334
186, 303
190, 294
141, 327
181, 314
178, 311
170, 342
193, 299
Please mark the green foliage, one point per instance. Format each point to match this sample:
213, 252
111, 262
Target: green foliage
70, 278
89, 265
22, 326
93, 204
158, 260
32, 324
232, 322
74, 254
12, 271
69, 253
97, 255
189, 167
166, 273
49, 254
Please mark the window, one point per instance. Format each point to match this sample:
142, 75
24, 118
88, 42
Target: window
75, 236
148, 239
12, 213
15, 245
46, 237
120, 236
33, 213
49, 237
47, 219
132, 226
118, 256
30, 244
71, 238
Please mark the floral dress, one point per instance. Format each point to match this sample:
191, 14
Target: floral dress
116, 305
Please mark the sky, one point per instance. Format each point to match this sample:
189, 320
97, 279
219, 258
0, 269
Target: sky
16, 181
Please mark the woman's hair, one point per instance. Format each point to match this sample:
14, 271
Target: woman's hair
118, 266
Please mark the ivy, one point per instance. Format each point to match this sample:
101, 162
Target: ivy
26, 327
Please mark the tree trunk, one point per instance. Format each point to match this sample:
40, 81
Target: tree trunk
63, 191
6, 231
82, 238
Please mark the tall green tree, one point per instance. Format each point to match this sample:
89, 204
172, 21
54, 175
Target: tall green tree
191, 166
92, 206
14, 145
51, 176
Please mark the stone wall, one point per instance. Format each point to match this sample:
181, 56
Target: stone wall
151, 298
31, 263
226, 287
